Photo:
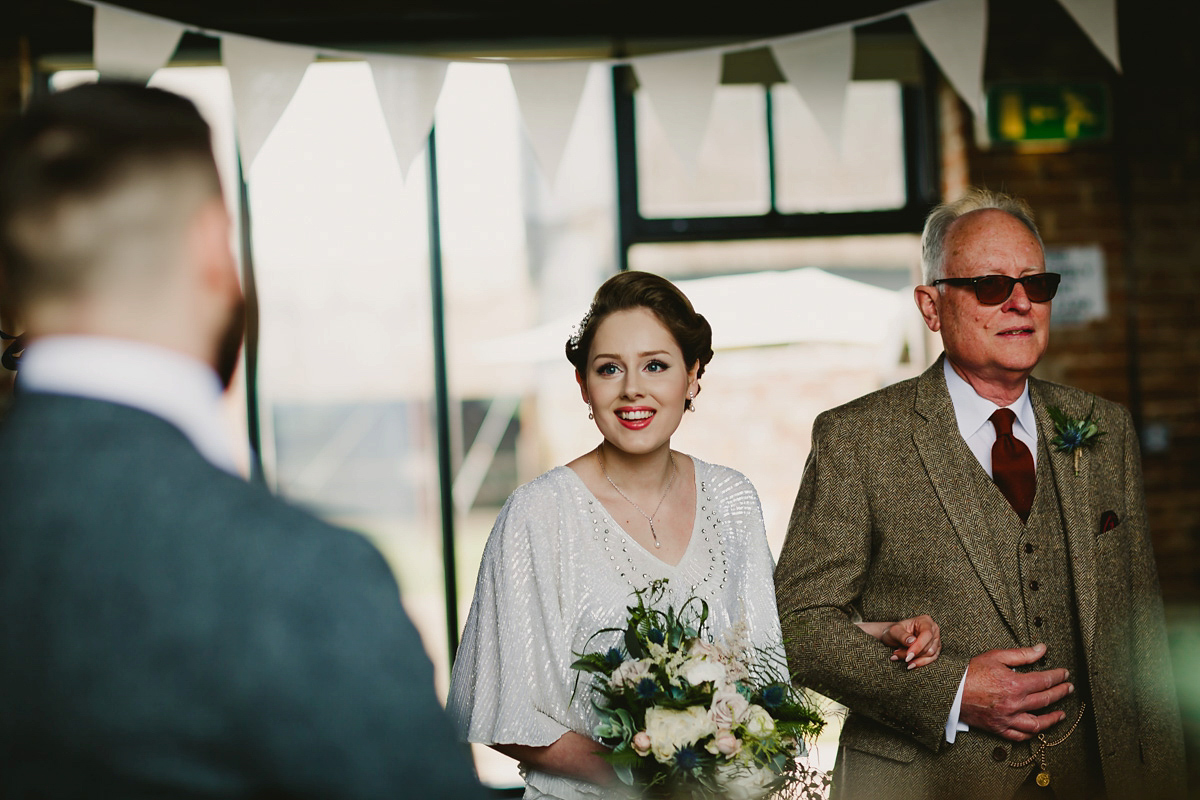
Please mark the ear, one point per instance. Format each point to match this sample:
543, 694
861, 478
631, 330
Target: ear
927, 298
582, 387
692, 373
209, 242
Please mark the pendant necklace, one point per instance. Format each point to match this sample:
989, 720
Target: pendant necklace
649, 517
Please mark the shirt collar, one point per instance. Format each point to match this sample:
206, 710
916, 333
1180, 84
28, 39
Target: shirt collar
181, 390
973, 412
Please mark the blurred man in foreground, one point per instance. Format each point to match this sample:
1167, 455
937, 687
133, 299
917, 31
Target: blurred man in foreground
166, 629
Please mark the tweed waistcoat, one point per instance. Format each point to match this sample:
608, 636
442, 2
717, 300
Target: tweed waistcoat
1035, 558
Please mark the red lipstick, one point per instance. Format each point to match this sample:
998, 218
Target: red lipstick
644, 416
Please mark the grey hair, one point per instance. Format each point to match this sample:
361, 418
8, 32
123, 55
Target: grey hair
937, 225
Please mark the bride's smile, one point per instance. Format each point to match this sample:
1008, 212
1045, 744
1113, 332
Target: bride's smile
635, 418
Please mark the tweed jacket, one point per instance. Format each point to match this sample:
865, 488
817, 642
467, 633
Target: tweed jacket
168, 630
885, 527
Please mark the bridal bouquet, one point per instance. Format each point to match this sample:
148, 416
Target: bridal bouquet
687, 717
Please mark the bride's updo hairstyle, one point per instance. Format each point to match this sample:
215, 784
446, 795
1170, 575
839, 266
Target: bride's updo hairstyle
629, 290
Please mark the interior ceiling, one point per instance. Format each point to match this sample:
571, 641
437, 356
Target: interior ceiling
462, 27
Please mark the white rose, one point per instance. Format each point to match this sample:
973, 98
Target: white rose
729, 708
710, 650
671, 730
744, 780
630, 673
759, 723
697, 671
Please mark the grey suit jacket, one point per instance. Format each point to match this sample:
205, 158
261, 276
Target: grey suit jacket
167, 630
885, 526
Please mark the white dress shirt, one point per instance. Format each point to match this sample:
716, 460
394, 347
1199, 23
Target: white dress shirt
181, 390
973, 414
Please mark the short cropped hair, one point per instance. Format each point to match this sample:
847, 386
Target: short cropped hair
99, 177
632, 289
937, 225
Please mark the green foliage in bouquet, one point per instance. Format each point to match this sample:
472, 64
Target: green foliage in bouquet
687, 717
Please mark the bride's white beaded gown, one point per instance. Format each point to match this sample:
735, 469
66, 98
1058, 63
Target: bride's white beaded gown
556, 569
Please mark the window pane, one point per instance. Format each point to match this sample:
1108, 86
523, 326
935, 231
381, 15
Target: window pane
867, 175
340, 248
731, 175
521, 257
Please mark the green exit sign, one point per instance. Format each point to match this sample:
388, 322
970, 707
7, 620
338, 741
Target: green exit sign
1078, 112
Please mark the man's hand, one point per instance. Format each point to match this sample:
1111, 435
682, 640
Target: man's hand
1002, 701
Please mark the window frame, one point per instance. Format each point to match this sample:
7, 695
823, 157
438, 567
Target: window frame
921, 178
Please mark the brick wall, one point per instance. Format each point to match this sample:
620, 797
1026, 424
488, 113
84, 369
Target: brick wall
1138, 197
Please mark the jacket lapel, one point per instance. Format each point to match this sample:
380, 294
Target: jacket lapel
1072, 492
944, 453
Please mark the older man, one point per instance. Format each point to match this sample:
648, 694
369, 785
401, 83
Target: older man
166, 629
948, 494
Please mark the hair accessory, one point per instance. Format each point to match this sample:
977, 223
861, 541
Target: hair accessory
577, 331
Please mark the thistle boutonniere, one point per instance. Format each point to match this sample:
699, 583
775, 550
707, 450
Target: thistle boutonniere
1073, 435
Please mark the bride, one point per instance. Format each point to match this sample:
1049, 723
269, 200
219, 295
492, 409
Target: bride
570, 547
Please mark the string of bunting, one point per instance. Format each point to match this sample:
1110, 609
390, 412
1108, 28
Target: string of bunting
681, 85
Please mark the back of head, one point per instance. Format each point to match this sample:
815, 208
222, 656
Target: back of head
97, 186
937, 225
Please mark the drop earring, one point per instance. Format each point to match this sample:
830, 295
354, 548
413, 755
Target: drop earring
691, 401
590, 414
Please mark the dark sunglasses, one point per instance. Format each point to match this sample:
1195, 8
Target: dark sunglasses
992, 290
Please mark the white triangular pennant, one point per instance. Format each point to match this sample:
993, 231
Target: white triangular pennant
548, 95
681, 89
408, 90
263, 76
1098, 18
954, 32
132, 46
819, 67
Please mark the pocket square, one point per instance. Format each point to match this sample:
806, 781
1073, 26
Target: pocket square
1108, 521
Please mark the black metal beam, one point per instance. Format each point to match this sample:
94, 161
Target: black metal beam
250, 347
441, 391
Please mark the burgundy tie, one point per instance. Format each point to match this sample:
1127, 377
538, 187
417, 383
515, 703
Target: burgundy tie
1012, 464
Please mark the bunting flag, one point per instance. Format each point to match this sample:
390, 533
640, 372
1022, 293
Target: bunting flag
681, 88
820, 67
263, 76
408, 91
132, 46
955, 32
1098, 18
548, 95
